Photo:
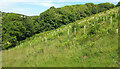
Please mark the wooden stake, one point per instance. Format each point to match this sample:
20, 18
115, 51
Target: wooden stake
84, 28
58, 35
97, 19
111, 19
116, 15
68, 32
117, 30
106, 17
45, 39
75, 30
30, 43
42, 39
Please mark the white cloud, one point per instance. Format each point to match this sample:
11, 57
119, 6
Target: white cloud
9, 3
46, 4
25, 11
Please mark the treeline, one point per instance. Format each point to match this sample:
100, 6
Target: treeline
16, 27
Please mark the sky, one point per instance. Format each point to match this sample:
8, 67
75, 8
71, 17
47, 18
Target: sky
35, 7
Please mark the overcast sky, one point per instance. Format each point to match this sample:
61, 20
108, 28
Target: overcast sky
35, 7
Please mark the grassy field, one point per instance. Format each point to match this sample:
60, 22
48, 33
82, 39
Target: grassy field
90, 42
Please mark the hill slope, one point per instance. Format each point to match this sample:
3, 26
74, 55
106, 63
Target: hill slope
17, 27
92, 41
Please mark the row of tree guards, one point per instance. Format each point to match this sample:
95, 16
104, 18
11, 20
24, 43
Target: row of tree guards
75, 29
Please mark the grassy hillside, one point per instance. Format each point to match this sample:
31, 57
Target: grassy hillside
17, 27
90, 42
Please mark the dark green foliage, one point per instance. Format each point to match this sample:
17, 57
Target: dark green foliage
92, 8
105, 6
18, 27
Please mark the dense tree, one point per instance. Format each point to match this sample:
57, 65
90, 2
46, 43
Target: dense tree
105, 6
92, 8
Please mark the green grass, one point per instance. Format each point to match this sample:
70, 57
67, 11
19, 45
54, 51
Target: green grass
74, 50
